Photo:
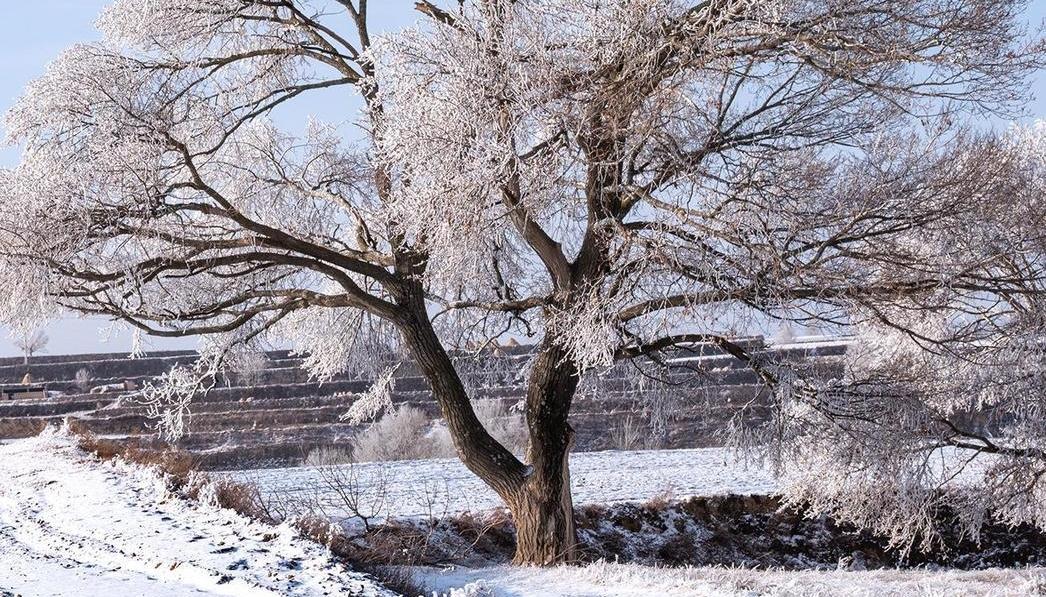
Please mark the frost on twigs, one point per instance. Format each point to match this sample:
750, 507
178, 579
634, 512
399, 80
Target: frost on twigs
340, 341
932, 417
374, 401
614, 178
587, 331
168, 398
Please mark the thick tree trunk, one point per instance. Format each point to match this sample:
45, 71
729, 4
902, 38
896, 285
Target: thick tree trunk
538, 495
544, 517
543, 509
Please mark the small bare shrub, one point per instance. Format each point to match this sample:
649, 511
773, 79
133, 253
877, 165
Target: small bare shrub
501, 422
327, 455
247, 368
82, 380
361, 500
627, 435
506, 426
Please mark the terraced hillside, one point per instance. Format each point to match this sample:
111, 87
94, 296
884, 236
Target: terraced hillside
279, 415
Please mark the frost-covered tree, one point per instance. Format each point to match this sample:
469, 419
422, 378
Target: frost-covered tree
30, 343
615, 178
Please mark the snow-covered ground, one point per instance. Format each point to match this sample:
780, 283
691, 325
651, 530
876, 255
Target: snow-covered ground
424, 487
626, 580
70, 525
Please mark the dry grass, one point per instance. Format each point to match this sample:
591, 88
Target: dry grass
662, 500
375, 555
179, 467
244, 498
21, 427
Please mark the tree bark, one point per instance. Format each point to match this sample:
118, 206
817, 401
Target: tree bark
477, 449
543, 509
538, 495
544, 517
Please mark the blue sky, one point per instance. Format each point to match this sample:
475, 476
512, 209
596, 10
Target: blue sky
33, 33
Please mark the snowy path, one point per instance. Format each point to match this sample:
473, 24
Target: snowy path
423, 487
70, 525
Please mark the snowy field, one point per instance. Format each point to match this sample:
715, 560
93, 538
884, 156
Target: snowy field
73, 526
626, 580
424, 487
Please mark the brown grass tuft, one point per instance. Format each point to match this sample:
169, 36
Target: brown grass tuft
244, 498
178, 466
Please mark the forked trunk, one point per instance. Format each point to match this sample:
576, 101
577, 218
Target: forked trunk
537, 495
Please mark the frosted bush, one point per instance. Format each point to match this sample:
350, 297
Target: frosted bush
506, 425
327, 456
401, 434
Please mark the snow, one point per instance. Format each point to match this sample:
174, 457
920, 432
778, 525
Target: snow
816, 341
421, 487
71, 525
628, 580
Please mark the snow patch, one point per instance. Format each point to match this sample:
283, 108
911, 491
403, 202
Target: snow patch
70, 524
410, 487
603, 579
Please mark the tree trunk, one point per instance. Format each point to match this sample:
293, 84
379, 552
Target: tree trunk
544, 517
477, 449
543, 508
538, 495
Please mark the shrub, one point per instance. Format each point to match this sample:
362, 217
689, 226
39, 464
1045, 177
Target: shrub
407, 433
627, 435
506, 426
401, 434
326, 456
82, 380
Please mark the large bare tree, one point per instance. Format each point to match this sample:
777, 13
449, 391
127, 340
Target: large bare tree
615, 178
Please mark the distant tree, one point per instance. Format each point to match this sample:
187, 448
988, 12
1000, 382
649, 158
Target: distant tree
615, 178
31, 343
82, 379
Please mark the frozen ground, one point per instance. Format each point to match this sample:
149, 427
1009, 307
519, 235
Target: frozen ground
70, 525
625, 580
424, 487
